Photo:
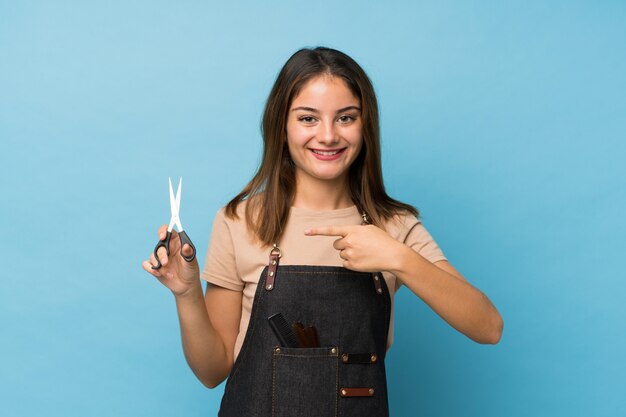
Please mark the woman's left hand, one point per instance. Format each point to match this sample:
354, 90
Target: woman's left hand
364, 248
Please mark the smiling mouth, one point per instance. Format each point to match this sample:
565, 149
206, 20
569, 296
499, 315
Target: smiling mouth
327, 153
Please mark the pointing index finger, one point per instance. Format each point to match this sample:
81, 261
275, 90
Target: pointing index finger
327, 231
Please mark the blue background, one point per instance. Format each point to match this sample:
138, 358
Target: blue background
503, 122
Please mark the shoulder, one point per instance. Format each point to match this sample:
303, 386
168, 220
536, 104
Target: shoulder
227, 213
237, 213
408, 229
400, 224
236, 222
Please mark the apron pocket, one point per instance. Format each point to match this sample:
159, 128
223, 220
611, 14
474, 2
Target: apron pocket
304, 382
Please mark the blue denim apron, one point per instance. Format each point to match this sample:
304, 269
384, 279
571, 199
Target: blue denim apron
345, 376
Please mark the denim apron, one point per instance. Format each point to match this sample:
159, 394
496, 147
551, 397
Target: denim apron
344, 377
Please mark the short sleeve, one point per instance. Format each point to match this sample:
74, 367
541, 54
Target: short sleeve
422, 242
220, 267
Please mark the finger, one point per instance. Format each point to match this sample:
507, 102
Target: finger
162, 253
328, 231
346, 254
162, 232
340, 244
187, 251
153, 259
148, 268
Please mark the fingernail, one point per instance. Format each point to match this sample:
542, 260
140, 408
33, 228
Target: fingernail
307, 231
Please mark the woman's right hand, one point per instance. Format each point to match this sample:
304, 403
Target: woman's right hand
175, 273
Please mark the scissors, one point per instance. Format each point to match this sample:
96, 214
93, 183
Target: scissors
175, 220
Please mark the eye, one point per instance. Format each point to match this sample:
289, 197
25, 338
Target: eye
346, 118
306, 119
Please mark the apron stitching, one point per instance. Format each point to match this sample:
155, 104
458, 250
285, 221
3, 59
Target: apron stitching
273, 384
305, 356
337, 385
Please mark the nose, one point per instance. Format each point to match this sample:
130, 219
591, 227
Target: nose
328, 133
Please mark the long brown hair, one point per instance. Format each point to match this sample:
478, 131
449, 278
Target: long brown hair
271, 191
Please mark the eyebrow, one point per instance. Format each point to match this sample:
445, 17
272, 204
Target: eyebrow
312, 110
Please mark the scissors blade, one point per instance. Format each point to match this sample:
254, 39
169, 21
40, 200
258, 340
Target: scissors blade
176, 218
172, 224
178, 193
173, 207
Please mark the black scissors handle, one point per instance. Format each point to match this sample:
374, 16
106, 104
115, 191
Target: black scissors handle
185, 239
165, 243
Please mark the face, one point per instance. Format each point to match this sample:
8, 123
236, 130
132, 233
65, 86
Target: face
324, 130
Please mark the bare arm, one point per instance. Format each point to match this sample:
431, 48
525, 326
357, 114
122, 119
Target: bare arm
440, 285
209, 326
450, 295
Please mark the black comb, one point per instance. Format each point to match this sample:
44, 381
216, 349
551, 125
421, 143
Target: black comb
282, 330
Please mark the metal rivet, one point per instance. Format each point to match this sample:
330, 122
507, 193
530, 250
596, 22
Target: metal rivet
333, 350
344, 392
379, 291
277, 350
344, 357
375, 277
271, 273
269, 287
373, 358
273, 262
371, 391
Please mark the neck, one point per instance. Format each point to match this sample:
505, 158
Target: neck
318, 195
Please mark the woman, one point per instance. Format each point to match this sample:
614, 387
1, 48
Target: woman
314, 237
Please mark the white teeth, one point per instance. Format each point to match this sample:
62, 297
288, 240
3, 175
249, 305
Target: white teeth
327, 153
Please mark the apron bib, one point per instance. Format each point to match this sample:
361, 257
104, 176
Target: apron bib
344, 377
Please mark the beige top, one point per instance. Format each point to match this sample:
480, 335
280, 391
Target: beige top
235, 262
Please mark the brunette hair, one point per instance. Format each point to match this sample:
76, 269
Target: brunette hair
271, 191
